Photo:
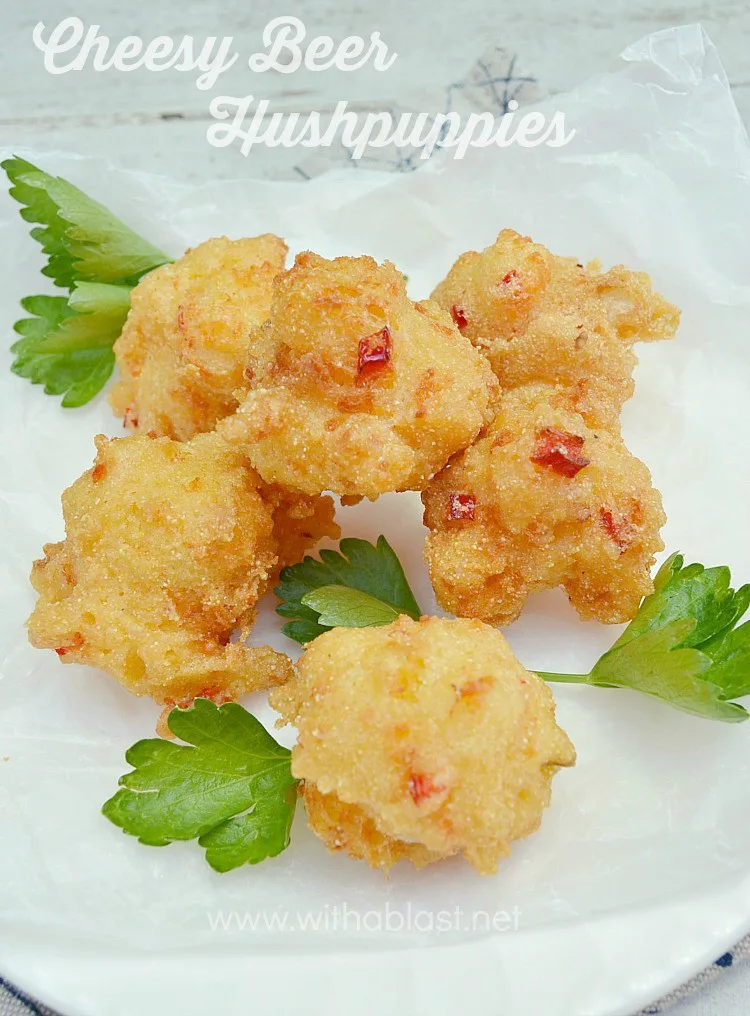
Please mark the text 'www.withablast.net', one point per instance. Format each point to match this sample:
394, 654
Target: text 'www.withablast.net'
342, 918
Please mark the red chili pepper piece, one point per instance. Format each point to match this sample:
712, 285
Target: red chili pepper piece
374, 351
510, 278
76, 642
130, 418
619, 529
462, 506
422, 786
459, 317
560, 451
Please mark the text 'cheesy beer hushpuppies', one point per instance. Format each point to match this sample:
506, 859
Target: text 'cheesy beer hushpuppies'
543, 318
182, 351
541, 500
168, 548
353, 387
421, 740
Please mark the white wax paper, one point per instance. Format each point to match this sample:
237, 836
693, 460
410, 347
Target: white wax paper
657, 177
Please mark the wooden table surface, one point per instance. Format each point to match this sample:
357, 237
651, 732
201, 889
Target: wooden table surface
157, 122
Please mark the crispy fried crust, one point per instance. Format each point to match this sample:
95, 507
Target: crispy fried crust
182, 350
543, 318
535, 516
422, 740
299, 522
354, 388
348, 828
169, 546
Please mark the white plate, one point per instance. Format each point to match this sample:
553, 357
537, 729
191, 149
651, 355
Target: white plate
640, 873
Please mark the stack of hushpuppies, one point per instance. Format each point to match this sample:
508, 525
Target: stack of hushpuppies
253, 393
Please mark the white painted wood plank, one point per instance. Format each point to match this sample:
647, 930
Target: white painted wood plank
172, 148
436, 41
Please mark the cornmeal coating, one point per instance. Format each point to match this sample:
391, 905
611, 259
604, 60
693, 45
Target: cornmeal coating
182, 350
421, 740
354, 388
168, 548
299, 522
541, 500
543, 318
349, 828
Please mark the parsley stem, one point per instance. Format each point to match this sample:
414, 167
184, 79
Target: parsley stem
564, 678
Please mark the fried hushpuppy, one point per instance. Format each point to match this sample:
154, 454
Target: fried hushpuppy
351, 829
353, 387
299, 522
541, 500
182, 351
168, 548
421, 740
543, 318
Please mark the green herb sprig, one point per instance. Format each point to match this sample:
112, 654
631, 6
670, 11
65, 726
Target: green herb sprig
230, 787
66, 344
359, 586
683, 646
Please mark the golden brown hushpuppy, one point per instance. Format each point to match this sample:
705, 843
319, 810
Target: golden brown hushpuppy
541, 500
168, 548
353, 387
182, 351
421, 740
543, 318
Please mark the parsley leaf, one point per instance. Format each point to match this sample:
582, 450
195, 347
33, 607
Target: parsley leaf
67, 344
233, 789
341, 607
359, 585
682, 646
82, 240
